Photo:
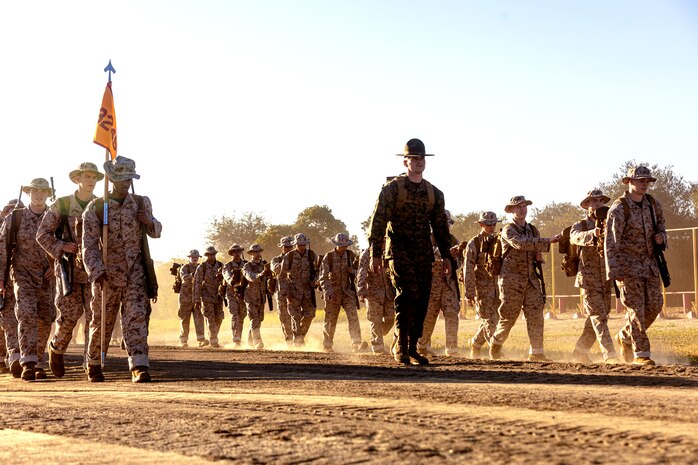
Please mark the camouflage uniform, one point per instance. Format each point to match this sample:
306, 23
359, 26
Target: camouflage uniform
77, 303
596, 289
380, 300
34, 307
125, 284
518, 286
207, 281
281, 303
409, 249
443, 298
336, 280
482, 288
232, 273
255, 296
187, 310
8, 322
295, 278
629, 256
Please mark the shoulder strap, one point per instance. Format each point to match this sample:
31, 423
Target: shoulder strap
535, 231
477, 241
14, 228
64, 205
402, 192
652, 214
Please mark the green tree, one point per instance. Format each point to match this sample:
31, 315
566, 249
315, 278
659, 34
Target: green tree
554, 217
269, 239
675, 193
319, 225
465, 226
227, 230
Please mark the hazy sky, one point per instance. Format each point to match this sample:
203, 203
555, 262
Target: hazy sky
274, 106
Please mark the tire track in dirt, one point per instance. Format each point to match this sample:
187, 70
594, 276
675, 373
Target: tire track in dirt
266, 427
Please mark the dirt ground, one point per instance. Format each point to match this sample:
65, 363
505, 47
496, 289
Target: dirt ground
307, 407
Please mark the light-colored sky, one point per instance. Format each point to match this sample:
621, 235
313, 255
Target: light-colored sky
274, 106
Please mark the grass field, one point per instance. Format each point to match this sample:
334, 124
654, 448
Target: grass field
674, 339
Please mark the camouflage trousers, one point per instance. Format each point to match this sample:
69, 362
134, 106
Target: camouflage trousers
381, 317
412, 282
441, 299
284, 317
70, 309
186, 312
213, 312
302, 312
519, 294
486, 305
35, 312
237, 311
597, 303
642, 298
131, 300
8, 323
255, 312
348, 303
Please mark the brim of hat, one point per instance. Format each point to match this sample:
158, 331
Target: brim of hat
116, 177
510, 206
194, 256
342, 244
75, 173
232, 251
27, 189
415, 155
584, 202
627, 179
250, 251
487, 223
285, 245
211, 253
300, 243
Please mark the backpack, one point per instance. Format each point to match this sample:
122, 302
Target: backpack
12, 240
493, 263
570, 251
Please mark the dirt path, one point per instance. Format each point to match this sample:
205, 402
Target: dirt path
299, 407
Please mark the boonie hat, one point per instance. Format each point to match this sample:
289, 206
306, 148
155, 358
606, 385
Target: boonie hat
341, 240
85, 167
38, 184
594, 194
193, 253
517, 200
121, 169
235, 248
210, 250
255, 248
488, 218
300, 239
286, 241
638, 172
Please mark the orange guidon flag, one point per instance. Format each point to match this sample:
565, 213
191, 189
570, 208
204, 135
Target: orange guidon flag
105, 134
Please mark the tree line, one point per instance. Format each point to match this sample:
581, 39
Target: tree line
678, 196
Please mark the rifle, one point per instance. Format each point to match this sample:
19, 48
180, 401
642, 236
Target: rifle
312, 267
10, 245
538, 271
659, 253
66, 263
174, 271
601, 214
151, 280
267, 292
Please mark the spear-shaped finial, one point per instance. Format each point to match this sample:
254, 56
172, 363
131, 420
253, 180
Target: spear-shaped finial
110, 69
